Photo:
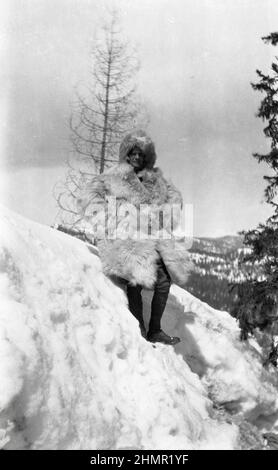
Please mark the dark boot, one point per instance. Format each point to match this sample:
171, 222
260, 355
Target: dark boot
161, 292
161, 337
136, 305
160, 296
143, 330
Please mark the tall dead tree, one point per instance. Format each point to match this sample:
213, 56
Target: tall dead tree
102, 113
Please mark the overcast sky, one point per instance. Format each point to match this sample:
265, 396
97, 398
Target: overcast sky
198, 58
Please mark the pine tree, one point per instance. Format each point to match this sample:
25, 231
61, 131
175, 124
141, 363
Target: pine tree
257, 296
105, 110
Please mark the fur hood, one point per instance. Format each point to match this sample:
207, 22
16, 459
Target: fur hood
143, 141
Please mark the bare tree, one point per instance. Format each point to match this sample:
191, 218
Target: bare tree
103, 112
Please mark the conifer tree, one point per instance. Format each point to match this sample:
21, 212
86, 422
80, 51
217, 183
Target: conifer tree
257, 296
104, 111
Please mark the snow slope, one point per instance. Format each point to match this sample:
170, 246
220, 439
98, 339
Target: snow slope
76, 374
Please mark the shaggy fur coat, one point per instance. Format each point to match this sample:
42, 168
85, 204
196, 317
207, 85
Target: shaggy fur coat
123, 254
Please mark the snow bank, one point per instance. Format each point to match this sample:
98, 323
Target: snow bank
231, 369
75, 372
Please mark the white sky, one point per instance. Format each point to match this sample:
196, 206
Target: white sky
197, 61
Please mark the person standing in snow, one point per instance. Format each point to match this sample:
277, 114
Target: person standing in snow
141, 262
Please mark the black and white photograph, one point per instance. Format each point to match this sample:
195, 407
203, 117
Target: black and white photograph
138, 228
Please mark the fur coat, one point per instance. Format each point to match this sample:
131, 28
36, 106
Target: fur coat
124, 252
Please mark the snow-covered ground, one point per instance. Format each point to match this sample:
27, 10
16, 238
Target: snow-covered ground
76, 374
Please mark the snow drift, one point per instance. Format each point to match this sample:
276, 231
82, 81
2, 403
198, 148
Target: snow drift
76, 374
